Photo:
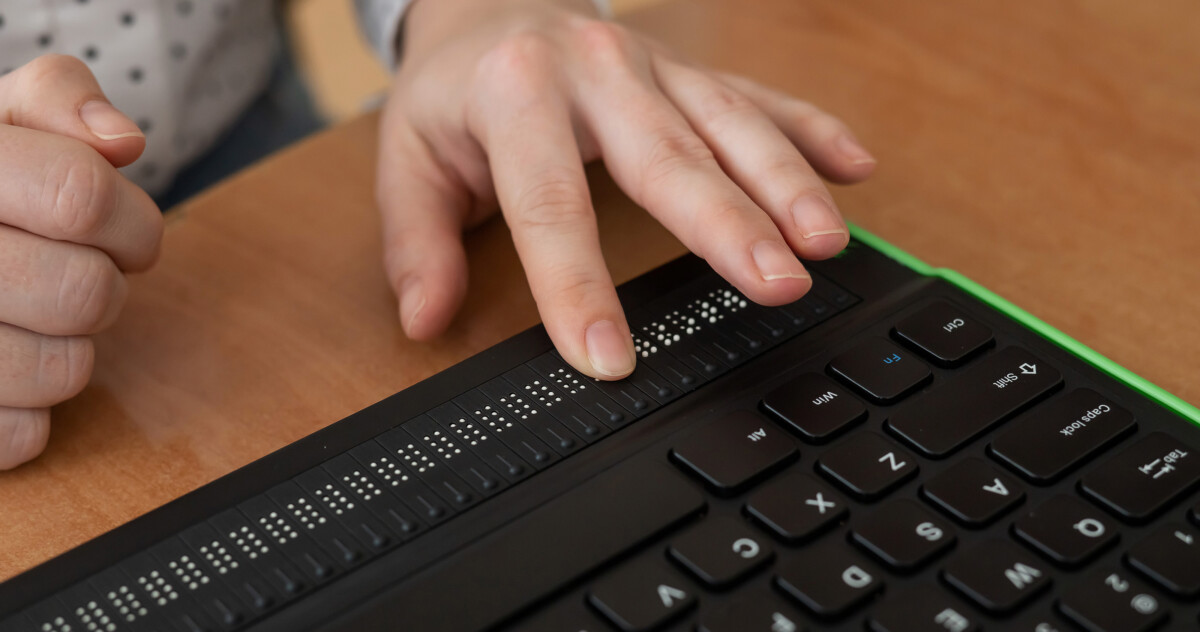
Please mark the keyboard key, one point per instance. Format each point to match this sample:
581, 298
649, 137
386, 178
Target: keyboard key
881, 370
641, 596
1053, 439
945, 333
967, 405
814, 406
973, 493
921, 608
997, 575
570, 614
1112, 601
753, 612
720, 552
1146, 477
828, 579
903, 534
1171, 557
1066, 530
796, 506
735, 451
867, 465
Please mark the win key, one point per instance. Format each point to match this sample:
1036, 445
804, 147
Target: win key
966, 406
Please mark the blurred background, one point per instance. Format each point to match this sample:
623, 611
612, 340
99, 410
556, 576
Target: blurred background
340, 70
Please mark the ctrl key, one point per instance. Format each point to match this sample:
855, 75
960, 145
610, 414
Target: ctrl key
1112, 601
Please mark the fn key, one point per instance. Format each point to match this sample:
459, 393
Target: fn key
735, 451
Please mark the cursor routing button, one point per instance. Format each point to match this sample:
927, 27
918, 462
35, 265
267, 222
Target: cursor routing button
734, 451
641, 596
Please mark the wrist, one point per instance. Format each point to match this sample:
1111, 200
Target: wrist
430, 22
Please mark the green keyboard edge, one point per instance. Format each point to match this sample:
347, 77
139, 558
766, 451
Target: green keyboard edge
1082, 351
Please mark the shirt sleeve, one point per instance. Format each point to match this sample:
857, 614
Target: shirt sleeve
380, 22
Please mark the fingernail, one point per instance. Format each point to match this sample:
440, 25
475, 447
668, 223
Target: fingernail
853, 151
814, 217
776, 261
412, 301
107, 122
608, 349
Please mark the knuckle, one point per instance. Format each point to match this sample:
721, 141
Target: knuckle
79, 193
672, 152
602, 40
721, 221
553, 202
522, 57
22, 435
89, 284
64, 366
722, 104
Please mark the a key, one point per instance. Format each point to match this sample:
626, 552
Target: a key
1112, 601
967, 405
997, 575
1056, 438
1171, 557
796, 506
1066, 530
720, 551
828, 578
815, 407
641, 596
753, 612
922, 608
973, 493
881, 370
735, 451
868, 465
1144, 478
903, 534
944, 333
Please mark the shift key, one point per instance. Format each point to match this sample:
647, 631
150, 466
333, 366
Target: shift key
966, 406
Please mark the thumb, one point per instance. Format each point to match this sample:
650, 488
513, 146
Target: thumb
58, 94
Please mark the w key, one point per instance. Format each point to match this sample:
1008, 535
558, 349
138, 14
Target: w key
735, 451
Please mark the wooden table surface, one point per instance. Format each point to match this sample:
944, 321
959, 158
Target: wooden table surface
1049, 150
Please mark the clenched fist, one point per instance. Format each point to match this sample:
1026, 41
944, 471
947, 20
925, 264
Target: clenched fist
71, 227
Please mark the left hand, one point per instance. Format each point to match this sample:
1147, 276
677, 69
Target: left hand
501, 102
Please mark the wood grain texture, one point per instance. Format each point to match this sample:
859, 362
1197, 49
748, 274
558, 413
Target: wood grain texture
1048, 150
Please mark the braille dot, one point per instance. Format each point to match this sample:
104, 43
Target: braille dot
45, 39
136, 75
127, 18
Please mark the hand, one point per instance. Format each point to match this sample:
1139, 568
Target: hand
502, 102
70, 227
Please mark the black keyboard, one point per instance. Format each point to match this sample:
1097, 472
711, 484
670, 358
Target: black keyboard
889, 453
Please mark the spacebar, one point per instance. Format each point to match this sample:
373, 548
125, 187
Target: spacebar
530, 558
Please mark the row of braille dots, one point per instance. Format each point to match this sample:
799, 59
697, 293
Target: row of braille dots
388, 471
543, 393
444, 446
306, 513
59, 624
278, 527
157, 587
334, 499
641, 347
415, 459
361, 484
94, 617
219, 557
493, 419
249, 542
671, 329
469, 432
567, 381
730, 301
126, 603
188, 573
517, 406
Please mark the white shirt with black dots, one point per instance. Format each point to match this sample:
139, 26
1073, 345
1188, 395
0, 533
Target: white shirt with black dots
183, 70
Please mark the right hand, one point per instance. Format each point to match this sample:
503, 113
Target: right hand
71, 226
